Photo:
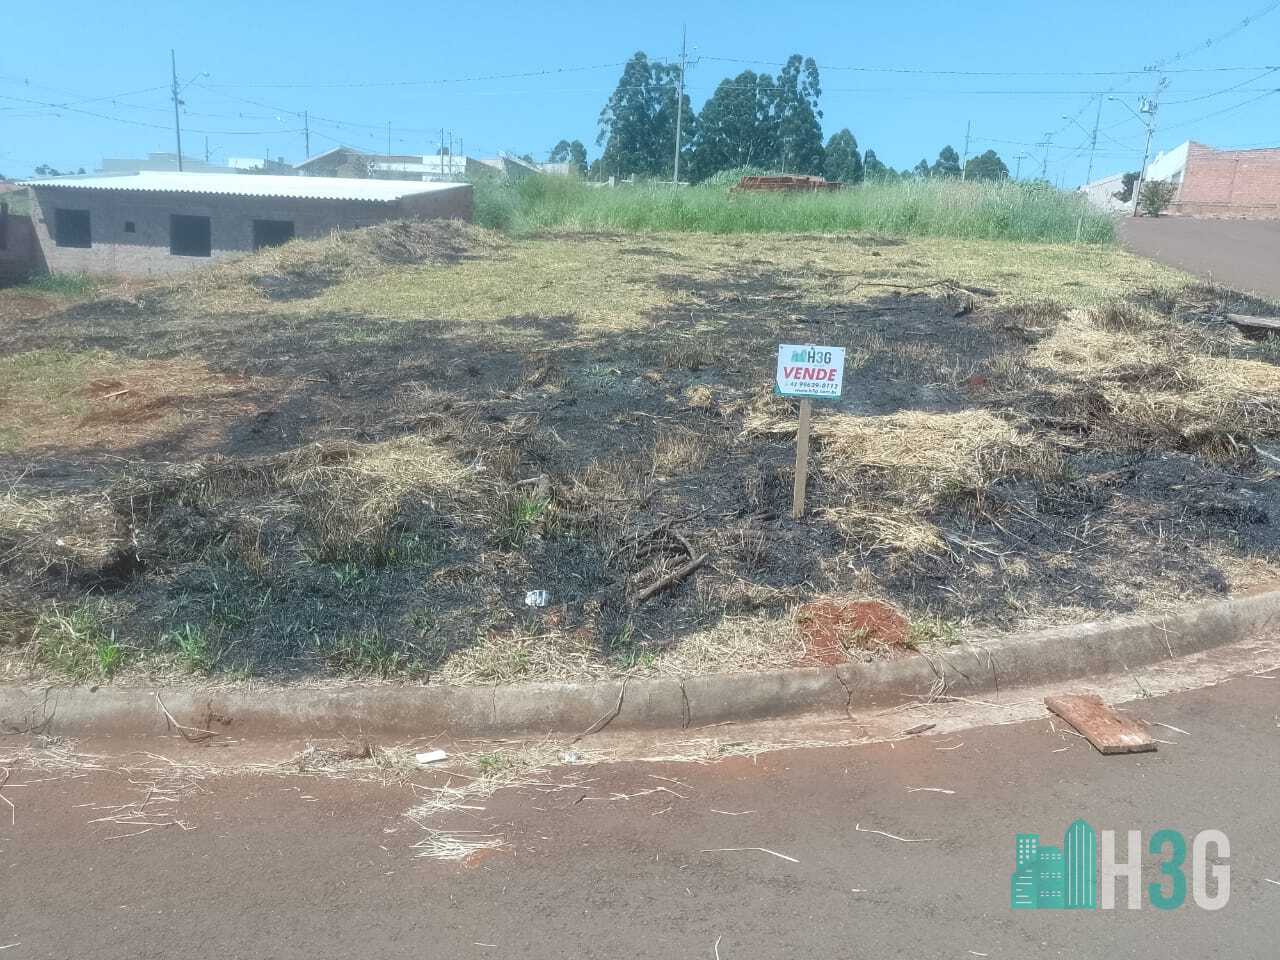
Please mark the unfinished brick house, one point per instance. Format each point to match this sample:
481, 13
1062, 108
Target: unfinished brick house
1229, 183
159, 222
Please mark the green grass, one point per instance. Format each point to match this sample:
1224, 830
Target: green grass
74, 640
61, 284
524, 514
927, 631
368, 653
45, 392
911, 208
191, 641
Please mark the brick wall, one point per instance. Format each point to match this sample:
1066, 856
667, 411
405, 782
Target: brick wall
1230, 183
144, 250
439, 205
19, 252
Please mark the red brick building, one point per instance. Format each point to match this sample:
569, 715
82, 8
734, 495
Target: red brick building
1229, 183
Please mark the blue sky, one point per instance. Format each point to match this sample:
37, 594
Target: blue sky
356, 66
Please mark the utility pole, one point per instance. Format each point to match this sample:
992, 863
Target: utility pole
684, 32
1093, 141
306, 131
177, 124
1149, 107
964, 161
1017, 175
1044, 164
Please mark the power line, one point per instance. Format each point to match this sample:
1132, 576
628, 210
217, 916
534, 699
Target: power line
140, 123
82, 98
1041, 145
928, 71
545, 72
299, 113
1225, 110
1229, 32
1163, 66
336, 121
555, 71
1218, 93
723, 84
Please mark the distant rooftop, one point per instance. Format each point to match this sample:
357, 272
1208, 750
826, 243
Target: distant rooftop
158, 161
248, 185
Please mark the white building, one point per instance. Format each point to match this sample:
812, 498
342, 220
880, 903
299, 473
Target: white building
1102, 194
1169, 165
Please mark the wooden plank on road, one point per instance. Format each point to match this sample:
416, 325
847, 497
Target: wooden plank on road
1254, 324
1101, 725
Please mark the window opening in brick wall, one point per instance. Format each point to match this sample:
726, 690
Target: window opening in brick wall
71, 228
189, 236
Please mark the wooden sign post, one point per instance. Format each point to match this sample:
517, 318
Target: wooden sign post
802, 460
807, 373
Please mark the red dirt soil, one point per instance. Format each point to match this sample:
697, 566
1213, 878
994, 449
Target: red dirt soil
830, 627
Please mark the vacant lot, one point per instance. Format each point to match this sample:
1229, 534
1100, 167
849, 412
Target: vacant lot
357, 456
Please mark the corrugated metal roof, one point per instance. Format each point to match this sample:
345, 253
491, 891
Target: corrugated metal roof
250, 185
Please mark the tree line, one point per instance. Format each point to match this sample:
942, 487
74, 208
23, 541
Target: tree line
751, 120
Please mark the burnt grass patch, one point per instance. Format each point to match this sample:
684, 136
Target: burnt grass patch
394, 490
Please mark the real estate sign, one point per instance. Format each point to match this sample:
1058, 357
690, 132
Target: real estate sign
807, 372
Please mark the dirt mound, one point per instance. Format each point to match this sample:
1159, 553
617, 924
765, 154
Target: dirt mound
835, 631
303, 269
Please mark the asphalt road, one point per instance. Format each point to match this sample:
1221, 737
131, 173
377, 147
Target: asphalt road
613, 860
1241, 254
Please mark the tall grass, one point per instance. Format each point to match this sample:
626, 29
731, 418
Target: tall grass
62, 284
939, 208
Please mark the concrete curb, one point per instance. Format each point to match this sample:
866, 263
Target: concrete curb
978, 667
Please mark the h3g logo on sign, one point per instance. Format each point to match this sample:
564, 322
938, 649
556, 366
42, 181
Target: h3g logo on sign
1069, 878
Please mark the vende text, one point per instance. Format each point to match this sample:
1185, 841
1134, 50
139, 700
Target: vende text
810, 373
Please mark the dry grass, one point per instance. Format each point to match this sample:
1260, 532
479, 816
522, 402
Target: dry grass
679, 451
893, 469
926, 452
373, 446
154, 787
58, 400
302, 270
898, 531
526, 657
1143, 380
57, 534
